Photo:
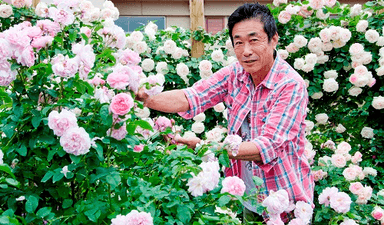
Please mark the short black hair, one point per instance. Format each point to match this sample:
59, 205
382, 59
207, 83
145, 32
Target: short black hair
249, 11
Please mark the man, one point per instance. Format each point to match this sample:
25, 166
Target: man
266, 100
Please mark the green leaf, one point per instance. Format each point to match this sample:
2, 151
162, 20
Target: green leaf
106, 118
47, 176
93, 214
113, 179
223, 200
224, 159
257, 180
22, 150
57, 177
7, 169
75, 159
99, 151
67, 203
12, 182
31, 204
9, 129
36, 121
43, 212
183, 214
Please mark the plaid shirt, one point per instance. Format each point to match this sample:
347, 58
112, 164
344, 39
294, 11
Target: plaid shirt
277, 108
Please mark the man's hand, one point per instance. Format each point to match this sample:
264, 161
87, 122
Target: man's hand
191, 141
141, 95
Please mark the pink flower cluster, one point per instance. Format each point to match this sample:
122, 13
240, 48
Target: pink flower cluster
364, 193
155, 85
121, 104
121, 132
339, 201
85, 58
233, 185
113, 36
206, 180
123, 77
378, 214
353, 172
74, 140
133, 218
319, 174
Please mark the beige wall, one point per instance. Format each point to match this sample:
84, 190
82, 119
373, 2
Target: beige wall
96, 3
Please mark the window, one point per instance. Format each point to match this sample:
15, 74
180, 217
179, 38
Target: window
131, 23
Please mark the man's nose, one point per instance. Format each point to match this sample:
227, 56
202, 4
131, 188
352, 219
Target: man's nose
247, 50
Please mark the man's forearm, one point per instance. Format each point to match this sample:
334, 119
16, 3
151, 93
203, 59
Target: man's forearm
248, 151
169, 101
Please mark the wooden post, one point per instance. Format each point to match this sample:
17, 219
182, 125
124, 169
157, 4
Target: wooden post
197, 20
35, 2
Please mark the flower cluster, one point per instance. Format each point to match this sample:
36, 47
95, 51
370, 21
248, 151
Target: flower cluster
133, 218
206, 180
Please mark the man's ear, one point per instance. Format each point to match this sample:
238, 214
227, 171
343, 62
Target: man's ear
275, 40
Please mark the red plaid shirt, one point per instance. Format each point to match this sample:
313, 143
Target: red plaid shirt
277, 108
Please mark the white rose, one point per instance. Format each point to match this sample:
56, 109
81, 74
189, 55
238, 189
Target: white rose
108, 4
162, 67
330, 74
372, 36
330, 85
335, 32
169, 46
219, 107
362, 25
216, 134
205, 74
340, 128
199, 118
309, 125
182, 70
178, 53
142, 113
325, 35
300, 41
189, 134
230, 60
308, 67
345, 34
205, 65
161, 78
378, 102
225, 114
380, 41
284, 17
283, 53
317, 95
293, 10
355, 91
370, 171
217, 55
299, 63
198, 127
339, 43
311, 58
6, 11
321, 118
41, 9
136, 36
140, 47
380, 71
315, 44
356, 9
367, 132
147, 65
292, 48
356, 48
306, 83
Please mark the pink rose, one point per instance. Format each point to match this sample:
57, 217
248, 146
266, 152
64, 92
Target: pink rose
64, 66
21, 3
339, 160
121, 104
357, 157
162, 123
355, 187
62, 15
129, 57
27, 57
42, 42
303, 211
87, 31
296, 221
7, 76
340, 202
119, 134
364, 195
378, 213
275, 220
136, 218
118, 81
138, 148
96, 81
233, 185
319, 174
48, 27
61, 122
316, 4
123, 76
76, 141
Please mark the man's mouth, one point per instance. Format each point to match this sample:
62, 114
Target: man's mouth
250, 61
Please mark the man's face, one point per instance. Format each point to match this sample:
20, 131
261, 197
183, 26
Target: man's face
252, 48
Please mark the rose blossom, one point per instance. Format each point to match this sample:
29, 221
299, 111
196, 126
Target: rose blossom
138, 148
104, 94
320, 14
378, 213
364, 195
142, 113
316, 4
182, 70
5, 11
217, 55
321, 118
340, 202
292, 48
199, 117
340, 128
276, 202
339, 160
121, 104
319, 174
367, 132
284, 17
216, 134
350, 173
120, 133
61, 122
136, 218
299, 63
356, 48
309, 125
64, 66
283, 53
348, 222
330, 85
326, 195
356, 158
372, 36
206, 180
147, 65
362, 25
300, 41
370, 171
315, 44
330, 74
205, 65
343, 148
76, 141
219, 107
355, 91
303, 211
162, 123
7, 76
233, 185
162, 67
198, 127
378, 102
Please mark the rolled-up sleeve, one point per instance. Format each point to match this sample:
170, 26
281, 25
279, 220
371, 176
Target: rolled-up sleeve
206, 93
283, 123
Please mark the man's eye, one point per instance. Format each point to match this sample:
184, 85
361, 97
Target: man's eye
253, 40
238, 43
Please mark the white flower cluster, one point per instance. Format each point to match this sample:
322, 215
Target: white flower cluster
362, 77
170, 48
205, 67
182, 70
380, 70
198, 126
359, 56
136, 42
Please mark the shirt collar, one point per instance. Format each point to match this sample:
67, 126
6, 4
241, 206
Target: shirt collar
269, 80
